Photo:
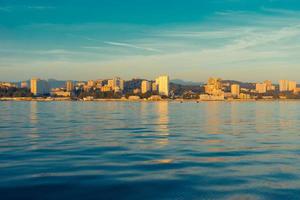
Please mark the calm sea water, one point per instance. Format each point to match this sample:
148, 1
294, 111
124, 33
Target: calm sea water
123, 150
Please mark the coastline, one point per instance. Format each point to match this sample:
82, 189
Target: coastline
140, 100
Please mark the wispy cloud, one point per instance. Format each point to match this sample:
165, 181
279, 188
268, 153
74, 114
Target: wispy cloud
230, 44
132, 46
40, 7
119, 44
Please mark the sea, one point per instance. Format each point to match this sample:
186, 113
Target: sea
149, 150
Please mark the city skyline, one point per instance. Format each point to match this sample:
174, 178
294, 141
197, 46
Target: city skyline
215, 89
240, 40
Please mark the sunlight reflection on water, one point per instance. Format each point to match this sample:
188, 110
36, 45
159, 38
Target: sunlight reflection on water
159, 150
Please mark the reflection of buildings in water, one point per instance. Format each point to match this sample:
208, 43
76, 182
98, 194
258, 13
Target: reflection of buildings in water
235, 119
33, 113
212, 114
284, 115
144, 112
264, 112
162, 125
259, 118
33, 120
162, 109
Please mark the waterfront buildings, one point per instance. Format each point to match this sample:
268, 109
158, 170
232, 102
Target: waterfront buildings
60, 93
287, 86
245, 96
69, 86
99, 83
235, 90
215, 89
261, 88
134, 98
213, 86
146, 86
7, 85
24, 84
292, 86
91, 83
105, 88
116, 84
207, 97
155, 98
154, 87
39, 87
283, 85
162, 83
269, 85
136, 91
297, 91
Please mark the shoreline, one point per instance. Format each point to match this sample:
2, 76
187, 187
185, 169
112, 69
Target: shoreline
139, 100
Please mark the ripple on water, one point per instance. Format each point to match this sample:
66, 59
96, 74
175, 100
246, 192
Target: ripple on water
121, 150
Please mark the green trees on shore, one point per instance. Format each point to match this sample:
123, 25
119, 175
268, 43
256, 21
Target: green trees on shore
15, 92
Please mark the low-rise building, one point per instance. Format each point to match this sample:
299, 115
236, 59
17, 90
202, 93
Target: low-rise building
134, 98
106, 88
207, 97
24, 84
136, 91
244, 96
61, 93
261, 88
155, 98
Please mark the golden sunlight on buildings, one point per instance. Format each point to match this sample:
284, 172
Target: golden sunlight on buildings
287, 86
69, 86
162, 112
213, 90
162, 83
146, 86
235, 90
261, 88
39, 87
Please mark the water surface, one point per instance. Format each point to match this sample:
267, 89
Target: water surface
126, 150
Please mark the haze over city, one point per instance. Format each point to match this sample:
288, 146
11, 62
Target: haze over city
191, 40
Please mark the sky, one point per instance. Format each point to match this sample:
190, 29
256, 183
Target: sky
246, 40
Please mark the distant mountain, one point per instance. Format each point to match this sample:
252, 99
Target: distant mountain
53, 83
183, 82
242, 84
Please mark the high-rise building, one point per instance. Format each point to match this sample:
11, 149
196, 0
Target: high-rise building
283, 85
269, 85
292, 86
117, 84
214, 86
286, 85
235, 90
146, 86
163, 85
91, 83
69, 86
261, 88
39, 87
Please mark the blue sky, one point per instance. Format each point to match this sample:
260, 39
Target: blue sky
249, 40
